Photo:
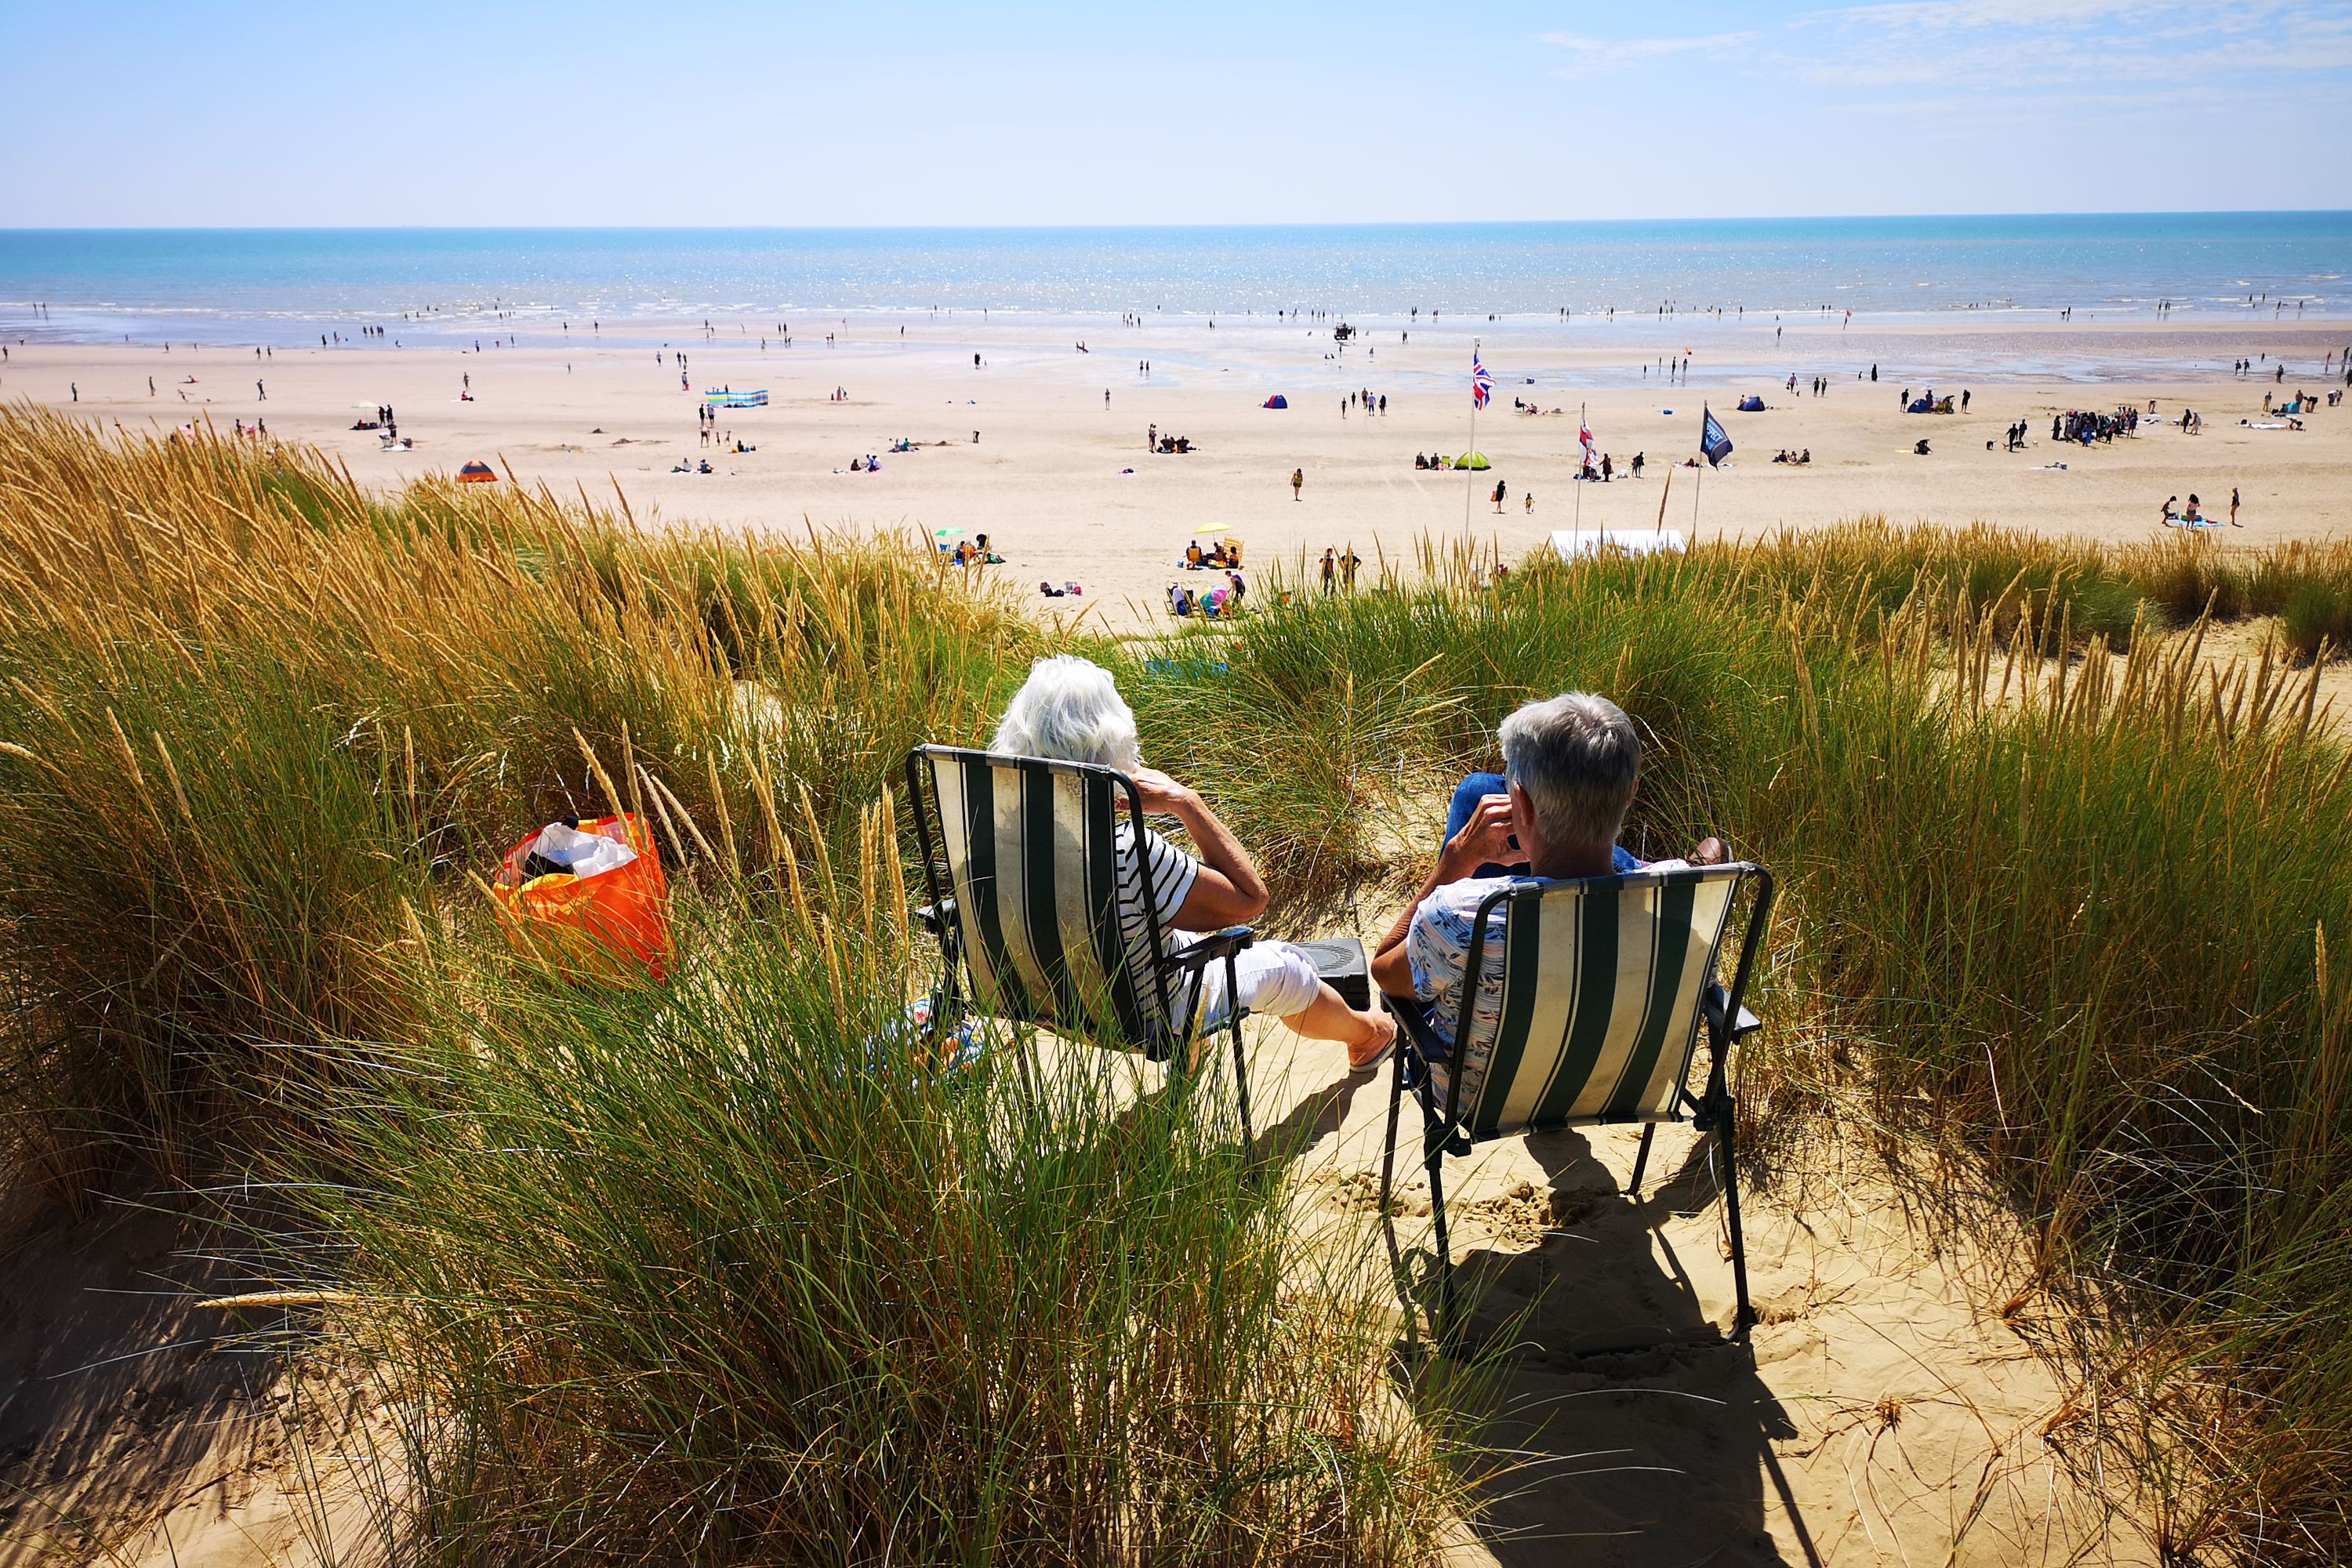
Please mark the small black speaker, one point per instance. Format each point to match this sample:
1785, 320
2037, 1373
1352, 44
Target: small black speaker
1341, 960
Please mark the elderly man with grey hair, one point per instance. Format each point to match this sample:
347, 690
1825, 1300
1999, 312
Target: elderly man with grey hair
1571, 764
1069, 709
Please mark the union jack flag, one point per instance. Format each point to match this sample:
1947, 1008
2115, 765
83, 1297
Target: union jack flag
1584, 434
1482, 386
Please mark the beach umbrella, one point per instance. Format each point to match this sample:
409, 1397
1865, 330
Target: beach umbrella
477, 474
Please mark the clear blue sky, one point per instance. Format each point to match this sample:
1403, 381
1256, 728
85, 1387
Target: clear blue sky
345, 111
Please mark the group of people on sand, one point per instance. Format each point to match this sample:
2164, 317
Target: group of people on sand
974, 553
2076, 424
1339, 570
1795, 460
1571, 765
1210, 604
1219, 556
2194, 517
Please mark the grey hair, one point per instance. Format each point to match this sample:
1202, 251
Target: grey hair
1070, 709
1578, 756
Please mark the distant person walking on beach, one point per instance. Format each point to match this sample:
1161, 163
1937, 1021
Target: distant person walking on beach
262, 391
1330, 568
1499, 488
1297, 478
2233, 508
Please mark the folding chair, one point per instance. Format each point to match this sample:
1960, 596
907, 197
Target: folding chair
1020, 862
1606, 983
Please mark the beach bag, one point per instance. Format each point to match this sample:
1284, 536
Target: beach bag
589, 898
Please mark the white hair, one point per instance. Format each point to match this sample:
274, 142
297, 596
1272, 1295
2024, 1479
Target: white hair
1070, 709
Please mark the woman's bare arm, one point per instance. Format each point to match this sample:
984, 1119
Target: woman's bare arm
1229, 890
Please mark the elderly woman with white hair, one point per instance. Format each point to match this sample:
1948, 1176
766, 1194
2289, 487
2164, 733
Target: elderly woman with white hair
1071, 709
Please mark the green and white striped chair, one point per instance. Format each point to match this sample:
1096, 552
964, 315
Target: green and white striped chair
1607, 984
1019, 860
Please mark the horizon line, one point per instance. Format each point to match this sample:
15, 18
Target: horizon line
1167, 227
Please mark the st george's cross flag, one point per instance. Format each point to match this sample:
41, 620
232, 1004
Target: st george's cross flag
1712, 444
1482, 386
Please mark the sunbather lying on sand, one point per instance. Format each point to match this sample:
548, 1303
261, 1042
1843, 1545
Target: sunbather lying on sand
1069, 709
1571, 765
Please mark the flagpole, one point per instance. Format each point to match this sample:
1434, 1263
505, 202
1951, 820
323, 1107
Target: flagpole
1470, 485
1581, 458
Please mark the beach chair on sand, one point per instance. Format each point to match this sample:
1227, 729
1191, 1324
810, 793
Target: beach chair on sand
1607, 984
1020, 863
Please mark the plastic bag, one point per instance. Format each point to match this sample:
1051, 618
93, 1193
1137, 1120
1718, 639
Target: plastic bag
589, 897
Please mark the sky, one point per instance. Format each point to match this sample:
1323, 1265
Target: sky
713, 112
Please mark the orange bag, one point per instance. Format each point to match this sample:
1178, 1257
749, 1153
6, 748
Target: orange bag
601, 926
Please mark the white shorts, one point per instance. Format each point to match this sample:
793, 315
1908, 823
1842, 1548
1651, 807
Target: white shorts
1273, 977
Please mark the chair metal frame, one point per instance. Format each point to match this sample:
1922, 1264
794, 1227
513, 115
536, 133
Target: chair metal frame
1177, 973
1720, 1012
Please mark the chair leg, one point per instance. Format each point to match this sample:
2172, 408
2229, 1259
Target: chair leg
1388, 1150
1446, 1330
1642, 1159
1240, 1064
1744, 1317
1241, 1079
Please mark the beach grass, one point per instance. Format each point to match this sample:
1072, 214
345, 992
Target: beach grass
2060, 890
2060, 907
735, 1270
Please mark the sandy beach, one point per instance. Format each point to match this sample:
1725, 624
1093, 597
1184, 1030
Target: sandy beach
1042, 446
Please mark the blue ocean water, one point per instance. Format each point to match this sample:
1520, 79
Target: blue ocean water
256, 285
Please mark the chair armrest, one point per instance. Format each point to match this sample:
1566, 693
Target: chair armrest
1718, 1002
937, 917
1210, 947
1415, 1027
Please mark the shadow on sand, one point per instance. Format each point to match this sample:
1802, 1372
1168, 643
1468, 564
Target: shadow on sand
1649, 1456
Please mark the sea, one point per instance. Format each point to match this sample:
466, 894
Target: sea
1635, 280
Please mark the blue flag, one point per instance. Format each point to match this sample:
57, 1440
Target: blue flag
1712, 444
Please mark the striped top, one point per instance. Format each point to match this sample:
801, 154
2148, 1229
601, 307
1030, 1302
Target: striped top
1163, 888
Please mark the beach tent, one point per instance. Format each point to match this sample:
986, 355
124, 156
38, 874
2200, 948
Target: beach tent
1472, 460
1277, 401
477, 474
1751, 403
1568, 543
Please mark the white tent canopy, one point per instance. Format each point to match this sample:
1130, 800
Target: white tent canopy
1568, 543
